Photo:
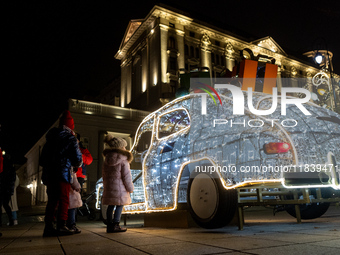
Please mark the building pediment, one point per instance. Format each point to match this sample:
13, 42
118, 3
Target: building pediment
269, 44
131, 29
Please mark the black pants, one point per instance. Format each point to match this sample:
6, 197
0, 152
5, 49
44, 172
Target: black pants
4, 201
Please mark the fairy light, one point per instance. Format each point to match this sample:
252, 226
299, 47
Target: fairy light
128, 209
152, 123
176, 133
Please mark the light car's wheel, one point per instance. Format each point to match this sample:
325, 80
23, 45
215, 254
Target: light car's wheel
312, 211
210, 205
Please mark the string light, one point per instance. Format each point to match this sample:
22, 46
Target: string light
158, 199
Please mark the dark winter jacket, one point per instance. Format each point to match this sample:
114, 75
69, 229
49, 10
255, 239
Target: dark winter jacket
7, 178
60, 154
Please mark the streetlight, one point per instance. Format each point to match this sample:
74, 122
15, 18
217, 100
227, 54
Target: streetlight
323, 57
318, 58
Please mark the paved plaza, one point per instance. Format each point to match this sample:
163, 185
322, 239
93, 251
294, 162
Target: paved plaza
263, 233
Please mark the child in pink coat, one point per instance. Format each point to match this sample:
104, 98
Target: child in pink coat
117, 180
74, 203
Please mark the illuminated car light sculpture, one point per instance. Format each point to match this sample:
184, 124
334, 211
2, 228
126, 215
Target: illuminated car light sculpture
179, 158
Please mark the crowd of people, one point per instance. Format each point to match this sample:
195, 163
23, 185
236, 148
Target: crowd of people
64, 159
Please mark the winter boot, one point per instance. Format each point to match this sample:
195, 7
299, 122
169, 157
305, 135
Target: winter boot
75, 229
117, 228
63, 230
49, 230
110, 227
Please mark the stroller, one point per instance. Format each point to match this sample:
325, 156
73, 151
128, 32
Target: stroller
85, 210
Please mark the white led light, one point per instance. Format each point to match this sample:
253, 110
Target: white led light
162, 171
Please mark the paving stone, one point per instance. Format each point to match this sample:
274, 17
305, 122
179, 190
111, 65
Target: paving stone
243, 243
297, 249
181, 248
262, 234
292, 237
330, 243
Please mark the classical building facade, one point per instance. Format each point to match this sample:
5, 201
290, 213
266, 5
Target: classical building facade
156, 49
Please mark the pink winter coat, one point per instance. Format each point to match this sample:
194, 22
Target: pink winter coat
75, 197
117, 179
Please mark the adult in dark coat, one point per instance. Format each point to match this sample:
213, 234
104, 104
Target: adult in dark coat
59, 157
7, 180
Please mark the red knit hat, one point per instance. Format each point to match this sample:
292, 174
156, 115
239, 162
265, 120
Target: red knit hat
66, 120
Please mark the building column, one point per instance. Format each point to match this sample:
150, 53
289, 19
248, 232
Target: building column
123, 87
206, 58
309, 82
230, 63
293, 73
206, 53
129, 83
230, 59
181, 53
279, 81
164, 54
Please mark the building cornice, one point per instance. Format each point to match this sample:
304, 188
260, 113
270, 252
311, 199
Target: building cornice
160, 12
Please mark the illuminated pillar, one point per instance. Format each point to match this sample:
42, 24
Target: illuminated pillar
144, 69
128, 81
206, 52
180, 44
309, 82
278, 78
123, 85
230, 63
206, 58
164, 54
293, 73
230, 60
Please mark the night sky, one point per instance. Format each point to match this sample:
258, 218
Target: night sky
60, 50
